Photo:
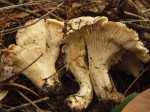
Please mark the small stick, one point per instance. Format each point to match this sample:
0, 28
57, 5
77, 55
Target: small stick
134, 15
21, 8
27, 104
146, 10
131, 21
26, 98
24, 4
140, 27
12, 84
52, 14
42, 17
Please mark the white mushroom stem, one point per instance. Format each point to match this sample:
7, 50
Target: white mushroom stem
100, 79
80, 100
75, 54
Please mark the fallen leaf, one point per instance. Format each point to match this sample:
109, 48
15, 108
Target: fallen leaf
141, 103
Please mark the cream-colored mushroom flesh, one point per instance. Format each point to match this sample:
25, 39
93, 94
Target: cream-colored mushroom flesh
105, 40
74, 49
31, 43
20, 58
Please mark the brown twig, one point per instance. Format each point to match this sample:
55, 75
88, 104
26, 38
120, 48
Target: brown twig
42, 17
139, 27
130, 1
133, 21
26, 98
21, 8
52, 14
10, 19
12, 84
24, 4
146, 10
134, 15
27, 104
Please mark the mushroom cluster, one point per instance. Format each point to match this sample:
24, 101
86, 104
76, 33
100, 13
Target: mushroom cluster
103, 41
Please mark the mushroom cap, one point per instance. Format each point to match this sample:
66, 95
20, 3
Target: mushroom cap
47, 32
77, 23
107, 33
34, 34
55, 29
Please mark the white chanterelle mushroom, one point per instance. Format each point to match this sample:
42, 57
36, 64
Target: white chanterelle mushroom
75, 51
40, 38
106, 41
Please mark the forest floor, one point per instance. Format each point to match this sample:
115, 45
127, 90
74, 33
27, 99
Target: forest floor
15, 13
